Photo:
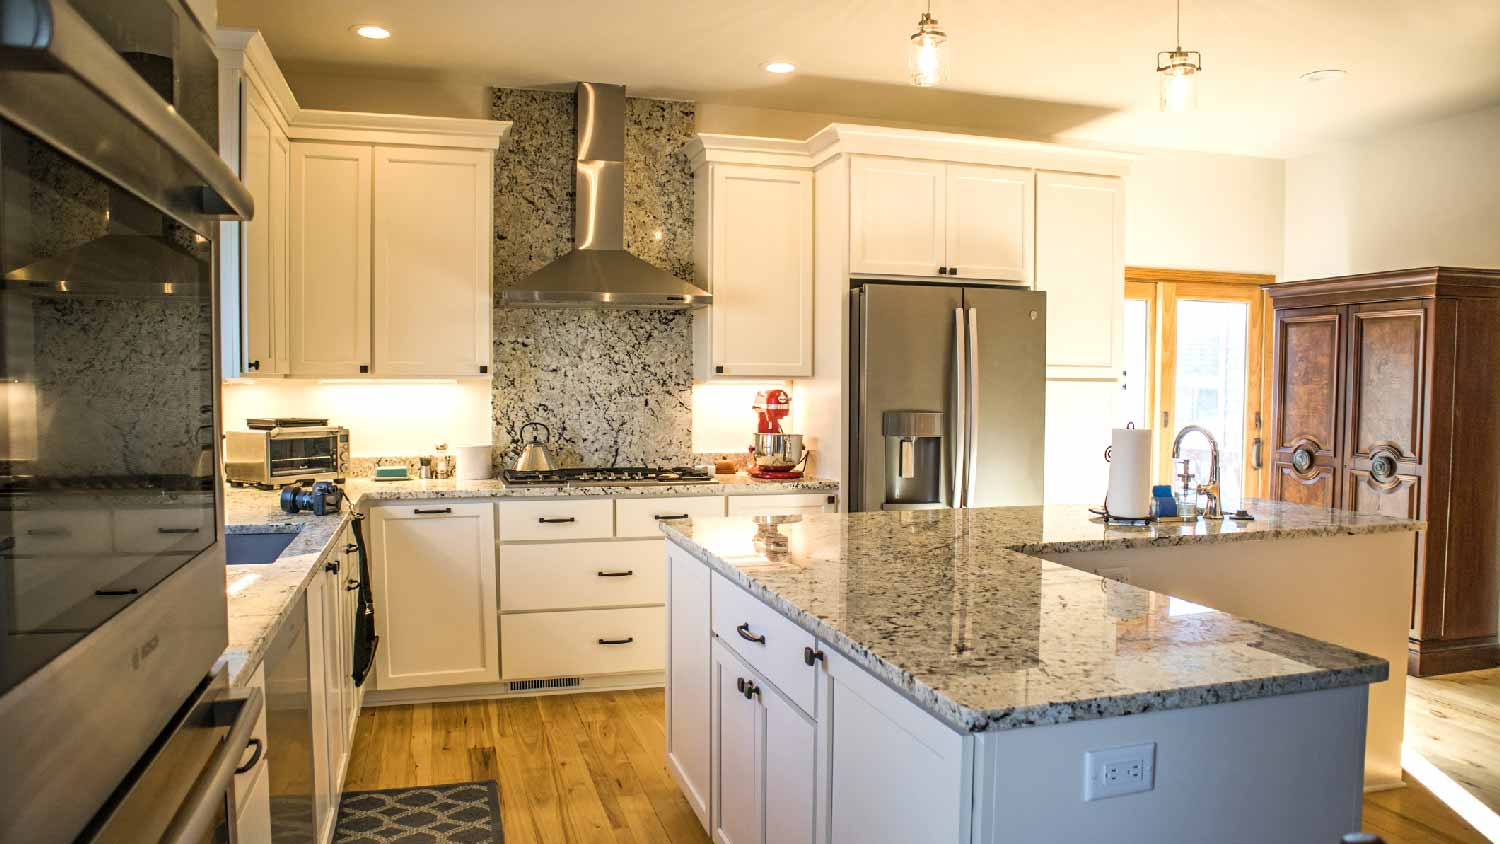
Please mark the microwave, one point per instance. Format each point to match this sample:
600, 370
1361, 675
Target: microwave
278, 456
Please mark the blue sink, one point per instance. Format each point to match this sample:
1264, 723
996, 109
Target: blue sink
255, 548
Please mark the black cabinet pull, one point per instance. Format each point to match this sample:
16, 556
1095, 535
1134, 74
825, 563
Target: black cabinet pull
546, 521
256, 745
364, 367
331, 566
178, 530
953, 271
942, 270
254, 364
625, 641
57, 531
670, 518
744, 631
811, 656
751, 690
350, 548
626, 573
432, 512
351, 585
116, 593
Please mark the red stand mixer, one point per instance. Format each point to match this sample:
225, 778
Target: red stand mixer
775, 454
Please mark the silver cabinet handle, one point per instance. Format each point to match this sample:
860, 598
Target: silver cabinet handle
971, 471
960, 426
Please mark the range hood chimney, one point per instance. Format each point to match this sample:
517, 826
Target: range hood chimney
599, 272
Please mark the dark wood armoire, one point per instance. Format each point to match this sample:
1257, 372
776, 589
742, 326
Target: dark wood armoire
1386, 399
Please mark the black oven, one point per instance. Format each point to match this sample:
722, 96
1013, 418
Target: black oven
112, 606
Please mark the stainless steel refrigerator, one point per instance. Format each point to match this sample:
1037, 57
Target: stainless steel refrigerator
948, 396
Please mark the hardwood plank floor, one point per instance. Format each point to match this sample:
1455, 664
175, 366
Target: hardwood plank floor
1453, 721
585, 768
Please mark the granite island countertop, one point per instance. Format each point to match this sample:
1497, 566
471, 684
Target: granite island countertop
261, 596
956, 610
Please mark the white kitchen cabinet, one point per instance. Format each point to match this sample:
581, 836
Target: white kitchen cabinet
431, 295
253, 814
323, 699
581, 575
1080, 264
989, 223
783, 504
758, 264
580, 643
688, 694
763, 758
330, 259
433, 565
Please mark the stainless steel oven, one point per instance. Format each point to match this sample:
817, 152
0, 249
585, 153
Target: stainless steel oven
112, 605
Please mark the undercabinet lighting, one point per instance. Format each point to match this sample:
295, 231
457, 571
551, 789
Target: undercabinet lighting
1330, 74
782, 67
372, 32
388, 381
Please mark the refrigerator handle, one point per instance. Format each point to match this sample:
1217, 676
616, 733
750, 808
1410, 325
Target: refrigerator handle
971, 471
960, 408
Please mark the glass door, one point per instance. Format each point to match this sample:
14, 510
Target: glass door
1195, 338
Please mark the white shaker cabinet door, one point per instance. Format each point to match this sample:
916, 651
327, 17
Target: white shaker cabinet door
330, 259
263, 268
897, 211
431, 293
1080, 264
989, 222
433, 567
738, 742
688, 677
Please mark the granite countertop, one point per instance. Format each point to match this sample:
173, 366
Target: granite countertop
260, 596
955, 609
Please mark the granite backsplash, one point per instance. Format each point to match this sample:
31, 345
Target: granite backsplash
614, 386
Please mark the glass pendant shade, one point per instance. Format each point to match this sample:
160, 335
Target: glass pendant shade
1178, 81
927, 57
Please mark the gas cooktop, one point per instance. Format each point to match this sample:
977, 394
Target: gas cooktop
611, 476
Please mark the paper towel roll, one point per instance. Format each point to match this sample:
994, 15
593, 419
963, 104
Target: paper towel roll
1130, 473
473, 462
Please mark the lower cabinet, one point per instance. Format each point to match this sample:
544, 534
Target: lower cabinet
786, 504
583, 642
688, 694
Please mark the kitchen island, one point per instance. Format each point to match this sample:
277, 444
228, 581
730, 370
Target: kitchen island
930, 676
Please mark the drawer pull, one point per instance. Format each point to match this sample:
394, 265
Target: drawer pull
436, 511
116, 593
744, 631
331, 566
351, 585
259, 747
811, 656
746, 687
671, 518
626, 573
546, 521
178, 530
350, 548
625, 641
57, 531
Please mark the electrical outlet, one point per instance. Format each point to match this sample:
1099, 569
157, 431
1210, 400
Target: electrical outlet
1118, 771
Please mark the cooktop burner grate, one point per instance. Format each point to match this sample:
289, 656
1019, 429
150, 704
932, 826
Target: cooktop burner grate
611, 476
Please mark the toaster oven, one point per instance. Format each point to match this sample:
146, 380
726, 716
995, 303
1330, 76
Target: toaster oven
281, 455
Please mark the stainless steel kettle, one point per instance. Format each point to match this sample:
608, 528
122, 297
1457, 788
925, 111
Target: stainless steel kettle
535, 457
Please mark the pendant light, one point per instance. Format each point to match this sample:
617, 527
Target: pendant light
1177, 71
927, 58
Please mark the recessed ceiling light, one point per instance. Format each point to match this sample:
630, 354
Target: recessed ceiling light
779, 67
371, 31
1331, 74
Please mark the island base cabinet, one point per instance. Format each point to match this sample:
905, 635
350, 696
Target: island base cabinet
763, 759
688, 677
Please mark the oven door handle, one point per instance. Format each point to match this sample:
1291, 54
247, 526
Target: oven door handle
195, 819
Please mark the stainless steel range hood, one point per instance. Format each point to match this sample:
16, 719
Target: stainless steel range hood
599, 272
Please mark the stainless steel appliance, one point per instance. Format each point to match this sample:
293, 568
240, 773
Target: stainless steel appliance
913, 459
279, 455
611, 476
975, 354
112, 605
536, 457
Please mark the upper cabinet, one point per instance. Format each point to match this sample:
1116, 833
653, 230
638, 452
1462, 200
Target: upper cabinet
369, 253
755, 226
1080, 265
930, 218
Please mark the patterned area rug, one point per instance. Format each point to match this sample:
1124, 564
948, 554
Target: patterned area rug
459, 813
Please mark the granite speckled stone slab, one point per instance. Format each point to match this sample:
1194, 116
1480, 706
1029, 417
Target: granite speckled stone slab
954, 609
260, 596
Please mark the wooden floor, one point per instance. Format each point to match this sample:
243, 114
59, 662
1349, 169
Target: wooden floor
1453, 721
591, 768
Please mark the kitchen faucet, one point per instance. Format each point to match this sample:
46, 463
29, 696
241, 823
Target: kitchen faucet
1209, 490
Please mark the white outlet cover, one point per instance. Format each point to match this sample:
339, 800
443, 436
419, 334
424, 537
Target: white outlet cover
1117, 771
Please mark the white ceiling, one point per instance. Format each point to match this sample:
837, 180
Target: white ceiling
1081, 68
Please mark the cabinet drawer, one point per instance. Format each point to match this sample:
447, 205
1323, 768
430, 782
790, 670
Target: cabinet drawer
561, 519
768, 641
163, 529
574, 575
59, 532
643, 516
781, 505
567, 644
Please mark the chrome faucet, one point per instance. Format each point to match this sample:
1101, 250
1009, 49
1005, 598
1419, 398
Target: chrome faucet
1209, 490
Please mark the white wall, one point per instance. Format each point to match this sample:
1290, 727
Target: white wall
1200, 211
383, 419
1419, 196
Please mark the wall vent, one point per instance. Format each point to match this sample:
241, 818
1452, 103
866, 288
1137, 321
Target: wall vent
550, 683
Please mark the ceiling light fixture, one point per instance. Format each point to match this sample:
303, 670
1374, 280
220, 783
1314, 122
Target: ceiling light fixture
778, 67
1330, 74
371, 31
926, 58
1178, 71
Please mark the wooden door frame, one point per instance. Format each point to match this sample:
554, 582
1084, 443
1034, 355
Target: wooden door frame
1166, 287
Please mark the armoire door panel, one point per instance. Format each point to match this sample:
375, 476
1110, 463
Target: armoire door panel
1307, 378
1388, 378
1315, 489
1363, 494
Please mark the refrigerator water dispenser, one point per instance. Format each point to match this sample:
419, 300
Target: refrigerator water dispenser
913, 459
